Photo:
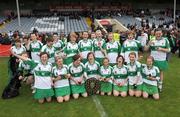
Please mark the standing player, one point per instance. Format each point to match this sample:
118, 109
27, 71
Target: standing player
159, 49
57, 44
61, 81
76, 70
134, 76
113, 49
105, 72
120, 78
150, 74
18, 48
85, 46
35, 47
99, 46
71, 49
48, 48
130, 45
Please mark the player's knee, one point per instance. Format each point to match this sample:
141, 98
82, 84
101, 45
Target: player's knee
75, 96
102, 93
59, 99
131, 93
109, 93
138, 94
66, 98
156, 97
123, 94
84, 94
145, 95
48, 99
115, 93
41, 101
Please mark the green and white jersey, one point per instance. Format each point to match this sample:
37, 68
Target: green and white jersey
128, 47
50, 51
134, 71
85, 46
120, 74
97, 51
23, 66
76, 72
35, 47
58, 45
42, 74
106, 72
113, 49
92, 70
18, 51
159, 55
60, 72
71, 49
153, 72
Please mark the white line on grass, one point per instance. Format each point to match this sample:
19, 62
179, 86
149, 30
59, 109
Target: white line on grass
99, 107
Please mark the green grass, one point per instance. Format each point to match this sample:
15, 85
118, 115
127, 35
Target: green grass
25, 106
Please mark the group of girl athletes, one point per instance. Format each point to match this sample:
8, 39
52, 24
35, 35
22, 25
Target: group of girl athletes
57, 68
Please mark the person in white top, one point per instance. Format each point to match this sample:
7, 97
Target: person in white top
61, 81
42, 77
35, 47
150, 74
159, 49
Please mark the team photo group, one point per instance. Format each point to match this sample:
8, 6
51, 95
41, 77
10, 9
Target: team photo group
62, 68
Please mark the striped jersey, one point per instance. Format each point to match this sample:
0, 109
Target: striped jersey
35, 47
42, 74
128, 47
120, 74
92, 69
71, 49
18, 51
58, 45
134, 71
106, 72
85, 46
63, 82
159, 55
113, 49
50, 51
76, 72
153, 72
97, 51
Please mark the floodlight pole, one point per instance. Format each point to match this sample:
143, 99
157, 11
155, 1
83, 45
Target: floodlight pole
174, 11
18, 14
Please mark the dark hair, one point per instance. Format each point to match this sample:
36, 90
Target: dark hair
76, 57
120, 56
90, 54
24, 52
158, 29
57, 58
33, 33
17, 41
43, 53
49, 39
150, 57
132, 53
55, 34
26, 37
105, 59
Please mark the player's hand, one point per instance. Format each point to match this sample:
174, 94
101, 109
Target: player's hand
20, 77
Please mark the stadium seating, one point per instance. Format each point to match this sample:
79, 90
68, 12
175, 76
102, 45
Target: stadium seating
47, 24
